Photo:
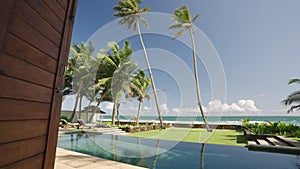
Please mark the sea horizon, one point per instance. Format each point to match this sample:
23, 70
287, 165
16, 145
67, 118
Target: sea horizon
235, 120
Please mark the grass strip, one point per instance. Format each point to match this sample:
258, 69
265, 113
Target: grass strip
218, 136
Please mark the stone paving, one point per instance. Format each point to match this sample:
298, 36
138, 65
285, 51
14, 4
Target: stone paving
66, 159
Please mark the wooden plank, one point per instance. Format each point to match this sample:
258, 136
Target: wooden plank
263, 142
276, 142
20, 130
57, 9
40, 77
251, 143
23, 110
59, 82
6, 10
29, 163
25, 32
20, 150
292, 142
24, 11
63, 4
17, 89
24, 51
43, 10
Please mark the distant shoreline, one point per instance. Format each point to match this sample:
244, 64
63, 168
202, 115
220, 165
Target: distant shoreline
215, 120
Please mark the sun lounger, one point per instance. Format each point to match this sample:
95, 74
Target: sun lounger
83, 124
64, 124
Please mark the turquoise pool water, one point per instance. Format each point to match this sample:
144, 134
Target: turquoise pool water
161, 154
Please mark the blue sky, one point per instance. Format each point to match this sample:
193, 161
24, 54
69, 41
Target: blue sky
256, 41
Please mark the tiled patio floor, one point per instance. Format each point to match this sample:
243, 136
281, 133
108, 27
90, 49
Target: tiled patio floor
66, 159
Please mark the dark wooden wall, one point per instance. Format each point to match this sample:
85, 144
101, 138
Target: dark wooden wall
34, 43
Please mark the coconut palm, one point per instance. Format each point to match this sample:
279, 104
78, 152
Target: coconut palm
131, 15
184, 22
121, 83
293, 99
142, 83
114, 64
82, 66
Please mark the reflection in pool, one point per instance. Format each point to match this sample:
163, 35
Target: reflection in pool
162, 154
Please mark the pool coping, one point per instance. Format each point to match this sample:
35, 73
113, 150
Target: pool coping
66, 159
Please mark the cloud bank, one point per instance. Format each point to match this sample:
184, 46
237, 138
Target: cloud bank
217, 106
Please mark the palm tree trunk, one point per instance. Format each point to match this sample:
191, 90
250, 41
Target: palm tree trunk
98, 104
118, 114
150, 74
74, 109
197, 80
138, 112
114, 114
87, 112
80, 103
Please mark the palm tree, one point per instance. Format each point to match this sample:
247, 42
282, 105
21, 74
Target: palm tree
131, 16
293, 99
81, 67
183, 20
121, 83
142, 83
110, 70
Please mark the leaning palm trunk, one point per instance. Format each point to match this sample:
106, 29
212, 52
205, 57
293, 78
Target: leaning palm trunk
197, 81
98, 104
150, 74
74, 109
80, 104
76, 101
138, 112
114, 114
87, 112
118, 114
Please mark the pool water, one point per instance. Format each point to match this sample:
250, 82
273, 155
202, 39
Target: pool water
162, 154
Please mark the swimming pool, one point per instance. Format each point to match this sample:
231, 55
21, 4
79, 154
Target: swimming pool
162, 154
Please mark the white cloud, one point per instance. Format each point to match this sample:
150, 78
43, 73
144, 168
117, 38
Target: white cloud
218, 106
146, 108
248, 105
188, 111
164, 108
215, 106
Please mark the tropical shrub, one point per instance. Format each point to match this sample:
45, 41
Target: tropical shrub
278, 128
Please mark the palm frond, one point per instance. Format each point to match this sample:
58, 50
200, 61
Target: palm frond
296, 80
183, 13
145, 22
179, 33
130, 12
195, 17
144, 10
297, 107
292, 98
175, 26
147, 96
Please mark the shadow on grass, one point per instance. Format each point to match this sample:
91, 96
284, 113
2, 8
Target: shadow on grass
241, 139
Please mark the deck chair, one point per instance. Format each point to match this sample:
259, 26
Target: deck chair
83, 124
64, 124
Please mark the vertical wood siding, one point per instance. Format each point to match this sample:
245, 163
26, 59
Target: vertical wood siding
34, 43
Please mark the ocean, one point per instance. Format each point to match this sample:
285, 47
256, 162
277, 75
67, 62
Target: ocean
213, 120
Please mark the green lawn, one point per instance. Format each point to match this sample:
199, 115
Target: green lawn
218, 136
